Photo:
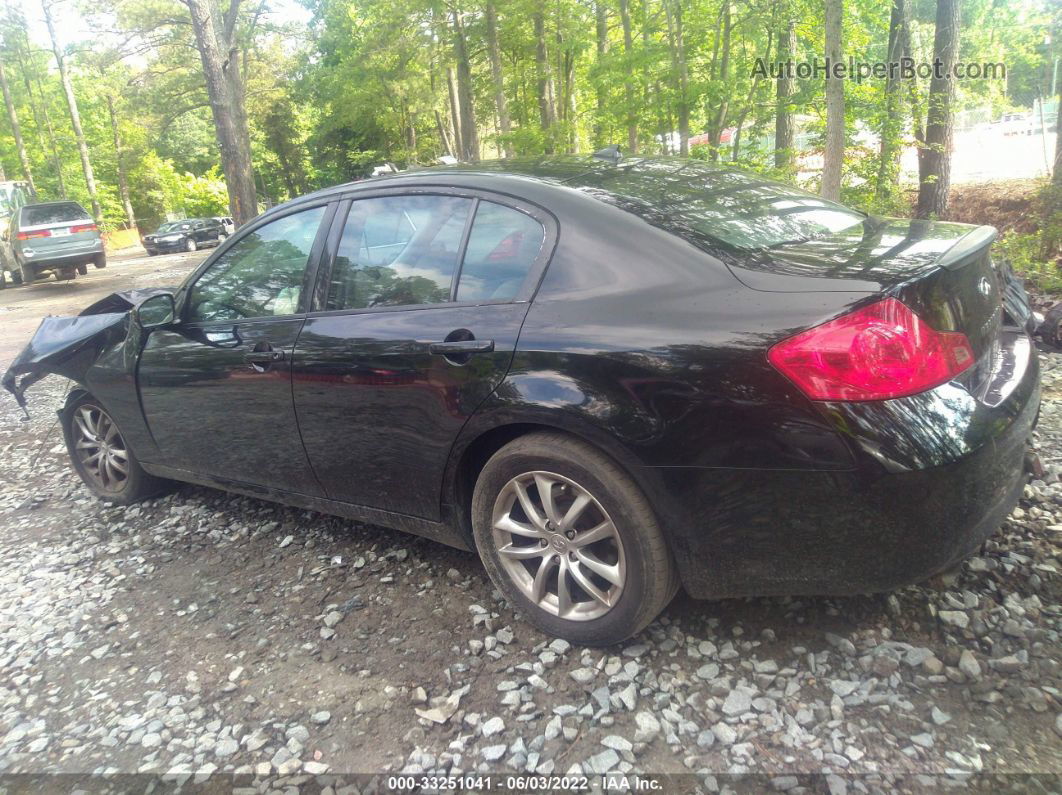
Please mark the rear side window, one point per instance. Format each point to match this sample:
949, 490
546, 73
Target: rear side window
53, 214
501, 248
398, 251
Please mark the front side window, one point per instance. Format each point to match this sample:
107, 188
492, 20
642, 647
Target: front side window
398, 251
502, 246
260, 274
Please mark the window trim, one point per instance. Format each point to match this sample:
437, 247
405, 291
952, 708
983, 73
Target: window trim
309, 276
532, 281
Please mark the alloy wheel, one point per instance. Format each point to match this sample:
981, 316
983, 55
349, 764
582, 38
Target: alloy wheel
558, 545
100, 448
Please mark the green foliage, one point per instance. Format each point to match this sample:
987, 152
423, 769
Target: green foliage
1025, 254
370, 84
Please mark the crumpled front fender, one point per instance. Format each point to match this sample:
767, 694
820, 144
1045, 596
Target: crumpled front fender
68, 346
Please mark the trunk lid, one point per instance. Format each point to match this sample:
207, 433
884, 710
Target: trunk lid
943, 271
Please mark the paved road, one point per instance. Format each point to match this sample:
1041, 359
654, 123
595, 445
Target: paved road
21, 308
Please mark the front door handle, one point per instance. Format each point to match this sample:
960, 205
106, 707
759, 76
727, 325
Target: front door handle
263, 357
461, 346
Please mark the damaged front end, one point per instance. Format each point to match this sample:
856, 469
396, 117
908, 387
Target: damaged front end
69, 346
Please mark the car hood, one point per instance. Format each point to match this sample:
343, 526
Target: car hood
68, 345
876, 255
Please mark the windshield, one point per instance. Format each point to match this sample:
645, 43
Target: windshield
173, 226
700, 201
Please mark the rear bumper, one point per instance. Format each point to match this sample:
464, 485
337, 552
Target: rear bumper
45, 259
937, 473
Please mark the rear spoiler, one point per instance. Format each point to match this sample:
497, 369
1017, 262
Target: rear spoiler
976, 239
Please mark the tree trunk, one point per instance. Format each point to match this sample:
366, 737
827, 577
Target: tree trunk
547, 107
501, 107
123, 182
718, 123
601, 36
784, 156
465, 96
455, 111
833, 157
75, 116
1051, 198
450, 148
16, 131
891, 127
43, 114
628, 83
227, 111
746, 108
934, 158
680, 73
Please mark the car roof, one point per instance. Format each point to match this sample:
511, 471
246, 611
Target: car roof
658, 181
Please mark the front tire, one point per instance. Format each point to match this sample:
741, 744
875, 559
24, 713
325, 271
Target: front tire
190, 245
571, 539
101, 456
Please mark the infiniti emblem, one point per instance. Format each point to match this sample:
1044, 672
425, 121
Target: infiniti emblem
985, 287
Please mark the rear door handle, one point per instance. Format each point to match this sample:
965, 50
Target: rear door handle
461, 346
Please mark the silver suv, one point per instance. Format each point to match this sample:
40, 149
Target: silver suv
54, 237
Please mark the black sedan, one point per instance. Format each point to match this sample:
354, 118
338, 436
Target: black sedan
187, 235
608, 379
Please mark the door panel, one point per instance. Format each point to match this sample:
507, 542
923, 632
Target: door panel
216, 386
379, 412
212, 411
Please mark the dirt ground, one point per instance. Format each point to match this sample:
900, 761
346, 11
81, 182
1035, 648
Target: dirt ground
213, 640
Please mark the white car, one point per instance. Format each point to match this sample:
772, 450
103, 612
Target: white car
226, 224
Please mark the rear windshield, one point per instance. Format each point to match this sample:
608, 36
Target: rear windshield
699, 201
53, 214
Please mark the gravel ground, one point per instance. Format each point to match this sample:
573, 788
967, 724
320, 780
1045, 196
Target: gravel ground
201, 635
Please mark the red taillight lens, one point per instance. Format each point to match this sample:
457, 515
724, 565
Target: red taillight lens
82, 228
879, 352
37, 233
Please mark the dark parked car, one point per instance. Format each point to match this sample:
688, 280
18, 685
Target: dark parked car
187, 235
57, 238
608, 379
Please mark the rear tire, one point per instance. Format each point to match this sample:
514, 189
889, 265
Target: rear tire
16, 276
82, 269
98, 453
617, 578
100, 260
28, 274
190, 245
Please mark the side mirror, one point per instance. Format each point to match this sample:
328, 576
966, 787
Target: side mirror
158, 310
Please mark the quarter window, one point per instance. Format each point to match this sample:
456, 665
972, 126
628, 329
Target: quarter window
398, 251
261, 274
501, 247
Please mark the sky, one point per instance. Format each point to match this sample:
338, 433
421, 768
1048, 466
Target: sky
72, 27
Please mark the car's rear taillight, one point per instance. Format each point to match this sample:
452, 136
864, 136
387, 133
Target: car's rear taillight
82, 228
879, 352
34, 234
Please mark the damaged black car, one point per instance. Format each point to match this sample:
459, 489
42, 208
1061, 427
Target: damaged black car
609, 379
